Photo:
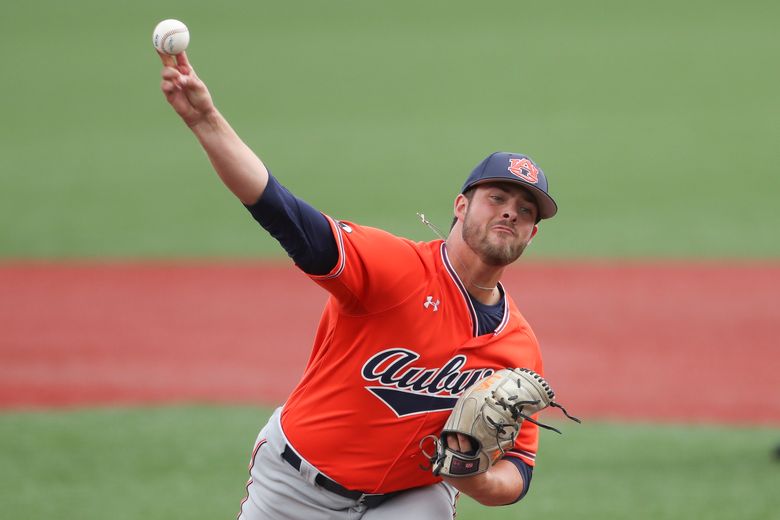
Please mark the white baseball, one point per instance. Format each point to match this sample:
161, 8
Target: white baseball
171, 36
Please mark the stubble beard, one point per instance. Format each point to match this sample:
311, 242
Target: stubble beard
478, 239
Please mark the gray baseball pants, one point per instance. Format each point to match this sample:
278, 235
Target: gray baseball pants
278, 491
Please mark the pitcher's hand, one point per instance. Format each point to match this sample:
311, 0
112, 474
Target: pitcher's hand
184, 90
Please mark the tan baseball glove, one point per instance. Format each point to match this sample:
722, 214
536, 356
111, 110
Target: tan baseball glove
490, 413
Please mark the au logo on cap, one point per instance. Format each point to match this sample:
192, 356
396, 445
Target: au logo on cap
524, 169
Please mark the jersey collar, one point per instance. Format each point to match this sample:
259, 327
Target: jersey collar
467, 297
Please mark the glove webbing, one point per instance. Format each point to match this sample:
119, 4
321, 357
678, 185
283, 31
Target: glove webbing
516, 409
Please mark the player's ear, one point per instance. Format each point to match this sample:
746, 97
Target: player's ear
460, 206
534, 231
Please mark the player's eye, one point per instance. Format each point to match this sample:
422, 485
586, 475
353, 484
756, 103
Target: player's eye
526, 211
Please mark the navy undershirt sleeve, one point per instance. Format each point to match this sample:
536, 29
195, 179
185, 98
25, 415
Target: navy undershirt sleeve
303, 232
306, 235
526, 470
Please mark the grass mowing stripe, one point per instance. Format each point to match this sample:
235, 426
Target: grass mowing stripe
190, 462
656, 123
126, 463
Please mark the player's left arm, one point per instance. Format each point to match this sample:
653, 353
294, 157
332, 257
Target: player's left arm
500, 485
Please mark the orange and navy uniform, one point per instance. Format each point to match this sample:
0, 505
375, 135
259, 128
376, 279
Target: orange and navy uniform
399, 340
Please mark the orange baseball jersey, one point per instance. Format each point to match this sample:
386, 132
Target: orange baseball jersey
396, 345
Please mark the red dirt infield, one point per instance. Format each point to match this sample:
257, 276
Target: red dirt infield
667, 341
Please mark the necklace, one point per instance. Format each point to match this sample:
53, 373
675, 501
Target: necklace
438, 232
482, 287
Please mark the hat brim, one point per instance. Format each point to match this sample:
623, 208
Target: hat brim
547, 206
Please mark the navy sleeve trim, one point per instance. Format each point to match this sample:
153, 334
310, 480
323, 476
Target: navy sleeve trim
526, 471
302, 231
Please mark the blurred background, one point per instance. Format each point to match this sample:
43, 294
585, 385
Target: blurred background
657, 125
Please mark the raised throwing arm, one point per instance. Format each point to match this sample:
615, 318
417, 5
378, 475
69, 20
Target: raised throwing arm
240, 169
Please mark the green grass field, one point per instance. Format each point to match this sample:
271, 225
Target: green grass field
656, 123
190, 462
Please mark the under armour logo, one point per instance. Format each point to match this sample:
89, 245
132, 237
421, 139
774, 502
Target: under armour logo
430, 303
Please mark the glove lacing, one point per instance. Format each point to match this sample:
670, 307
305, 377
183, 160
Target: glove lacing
434, 459
516, 409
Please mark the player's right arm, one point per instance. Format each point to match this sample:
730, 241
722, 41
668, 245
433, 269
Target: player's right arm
302, 231
236, 164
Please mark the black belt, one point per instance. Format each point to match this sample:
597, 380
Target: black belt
369, 499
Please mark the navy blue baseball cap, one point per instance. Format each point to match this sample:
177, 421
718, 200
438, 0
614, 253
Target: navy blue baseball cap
514, 167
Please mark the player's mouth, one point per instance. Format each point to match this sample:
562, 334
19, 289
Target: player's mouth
501, 228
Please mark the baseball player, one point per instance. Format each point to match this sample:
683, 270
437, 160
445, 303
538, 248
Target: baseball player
407, 328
